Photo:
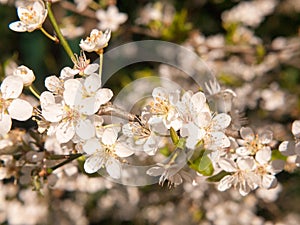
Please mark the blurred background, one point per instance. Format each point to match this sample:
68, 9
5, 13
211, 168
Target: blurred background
252, 47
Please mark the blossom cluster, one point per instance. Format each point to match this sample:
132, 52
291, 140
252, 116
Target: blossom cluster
202, 131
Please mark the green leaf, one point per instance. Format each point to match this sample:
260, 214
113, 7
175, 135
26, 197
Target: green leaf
174, 136
165, 151
202, 164
276, 154
218, 176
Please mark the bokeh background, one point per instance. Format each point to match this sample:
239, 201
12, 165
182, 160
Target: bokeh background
252, 48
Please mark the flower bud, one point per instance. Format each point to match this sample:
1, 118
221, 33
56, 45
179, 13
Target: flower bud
25, 74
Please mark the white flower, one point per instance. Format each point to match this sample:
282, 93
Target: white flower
72, 113
164, 114
222, 99
96, 41
54, 84
252, 143
249, 13
142, 136
31, 16
6, 169
11, 107
111, 18
71, 31
103, 152
200, 125
243, 175
296, 128
266, 169
82, 66
172, 170
81, 5
25, 74
150, 13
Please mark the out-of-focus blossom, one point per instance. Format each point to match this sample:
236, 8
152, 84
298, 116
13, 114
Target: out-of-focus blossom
111, 18
269, 195
81, 5
96, 41
69, 30
32, 17
158, 11
273, 98
7, 165
249, 13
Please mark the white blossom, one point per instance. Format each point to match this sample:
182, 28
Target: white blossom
243, 176
96, 41
11, 106
164, 114
103, 152
111, 18
72, 112
265, 170
251, 143
201, 125
249, 13
81, 5
25, 74
32, 17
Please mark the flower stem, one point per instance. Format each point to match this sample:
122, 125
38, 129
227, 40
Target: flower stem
53, 38
69, 158
100, 63
34, 91
112, 110
61, 38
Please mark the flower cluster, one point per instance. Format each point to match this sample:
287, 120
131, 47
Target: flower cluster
187, 134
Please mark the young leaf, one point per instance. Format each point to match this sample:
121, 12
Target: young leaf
218, 176
174, 136
202, 165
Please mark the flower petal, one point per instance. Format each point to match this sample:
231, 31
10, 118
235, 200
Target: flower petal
91, 146
296, 128
263, 156
221, 121
198, 101
110, 135
103, 95
85, 129
227, 165
5, 124
155, 171
122, 150
11, 87
91, 68
93, 163
92, 83
65, 131
247, 133
18, 26
225, 183
113, 168
53, 83
73, 92
20, 110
